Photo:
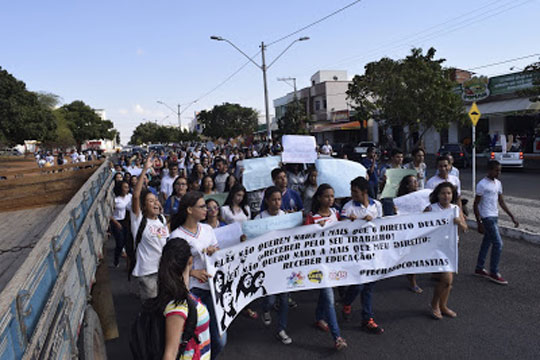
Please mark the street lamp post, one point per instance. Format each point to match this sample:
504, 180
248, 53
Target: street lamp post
177, 112
264, 68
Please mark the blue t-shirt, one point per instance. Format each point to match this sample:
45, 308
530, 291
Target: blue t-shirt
290, 201
171, 205
373, 176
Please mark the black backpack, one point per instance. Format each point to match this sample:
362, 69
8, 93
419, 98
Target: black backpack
147, 338
131, 247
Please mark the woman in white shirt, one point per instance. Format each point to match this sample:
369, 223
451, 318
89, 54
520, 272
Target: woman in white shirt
236, 208
120, 220
444, 197
153, 235
187, 224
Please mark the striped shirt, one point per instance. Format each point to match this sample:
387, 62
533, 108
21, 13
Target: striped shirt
202, 330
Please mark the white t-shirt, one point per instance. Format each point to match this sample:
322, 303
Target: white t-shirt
436, 180
489, 190
203, 238
326, 149
220, 181
134, 170
167, 185
230, 217
265, 214
121, 203
153, 239
353, 208
437, 207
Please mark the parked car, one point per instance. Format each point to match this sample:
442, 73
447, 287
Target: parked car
513, 158
361, 149
341, 149
458, 152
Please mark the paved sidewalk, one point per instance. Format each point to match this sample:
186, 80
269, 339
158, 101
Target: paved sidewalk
526, 211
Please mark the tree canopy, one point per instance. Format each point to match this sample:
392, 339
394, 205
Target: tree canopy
294, 120
22, 116
228, 120
84, 123
416, 92
150, 132
534, 91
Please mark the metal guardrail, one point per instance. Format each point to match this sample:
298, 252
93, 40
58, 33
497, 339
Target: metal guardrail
23, 300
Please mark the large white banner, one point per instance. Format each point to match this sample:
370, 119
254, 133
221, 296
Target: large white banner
298, 149
339, 173
345, 253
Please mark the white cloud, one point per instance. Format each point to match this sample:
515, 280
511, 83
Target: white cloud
139, 109
123, 111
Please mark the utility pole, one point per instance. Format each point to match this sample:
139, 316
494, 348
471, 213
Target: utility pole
266, 110
179, 120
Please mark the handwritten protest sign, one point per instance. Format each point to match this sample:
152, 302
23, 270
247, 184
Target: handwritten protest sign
298, 149
344, 253
219, 197
257, 172
393, 178
256, 227
415, 202
339, 173
229, 235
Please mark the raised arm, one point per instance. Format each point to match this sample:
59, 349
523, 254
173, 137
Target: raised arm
135, 202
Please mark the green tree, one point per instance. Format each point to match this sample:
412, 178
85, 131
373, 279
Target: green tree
144, 133
48, 100
85, 124
22, 117
228, 120
294, 120
533, 92
416, 92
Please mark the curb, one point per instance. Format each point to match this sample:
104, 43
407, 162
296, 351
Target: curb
512, 233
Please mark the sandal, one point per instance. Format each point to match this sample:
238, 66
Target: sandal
449, 313
322, 325
436, 313
251, 314
416, 289
341, 344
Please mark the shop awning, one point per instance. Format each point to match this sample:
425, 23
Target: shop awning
504, 107
351, 125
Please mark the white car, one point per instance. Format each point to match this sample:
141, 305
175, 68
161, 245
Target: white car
511, 159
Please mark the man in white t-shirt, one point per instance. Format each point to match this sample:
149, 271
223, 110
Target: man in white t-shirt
326, 149
167, 181
488, 197
443, 167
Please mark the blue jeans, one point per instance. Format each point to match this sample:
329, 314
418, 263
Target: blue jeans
366, 291
491, 237
268, 303
327, 312
217, 343
120, 237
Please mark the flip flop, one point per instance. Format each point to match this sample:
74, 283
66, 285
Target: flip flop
416, 289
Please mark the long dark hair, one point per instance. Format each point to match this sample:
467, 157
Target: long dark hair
404, 185
188, 200
315, 203
309, 172
434, 196
118, 187
171, 287
213, 182
236, 189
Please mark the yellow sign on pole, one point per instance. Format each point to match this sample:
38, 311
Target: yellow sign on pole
474, 114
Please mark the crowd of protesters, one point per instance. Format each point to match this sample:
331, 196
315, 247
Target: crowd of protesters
160, 206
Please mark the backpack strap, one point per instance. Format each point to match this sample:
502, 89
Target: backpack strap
190, 325
140, 231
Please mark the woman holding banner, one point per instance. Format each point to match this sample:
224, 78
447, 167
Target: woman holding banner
186, 224
272, 199
444, 197
323, 213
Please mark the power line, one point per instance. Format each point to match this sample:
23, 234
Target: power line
315, 22
503, 62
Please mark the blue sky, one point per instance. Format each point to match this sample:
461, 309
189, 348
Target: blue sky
123, 56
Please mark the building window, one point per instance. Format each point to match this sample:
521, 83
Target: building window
324, 104
317, 105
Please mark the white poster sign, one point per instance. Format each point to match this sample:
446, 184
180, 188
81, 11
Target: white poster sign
344, 253
257, 172
229, 235
415, 202
299, 149
339, 173
257, 227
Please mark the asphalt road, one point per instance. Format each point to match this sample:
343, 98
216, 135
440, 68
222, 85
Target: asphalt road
494, 321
